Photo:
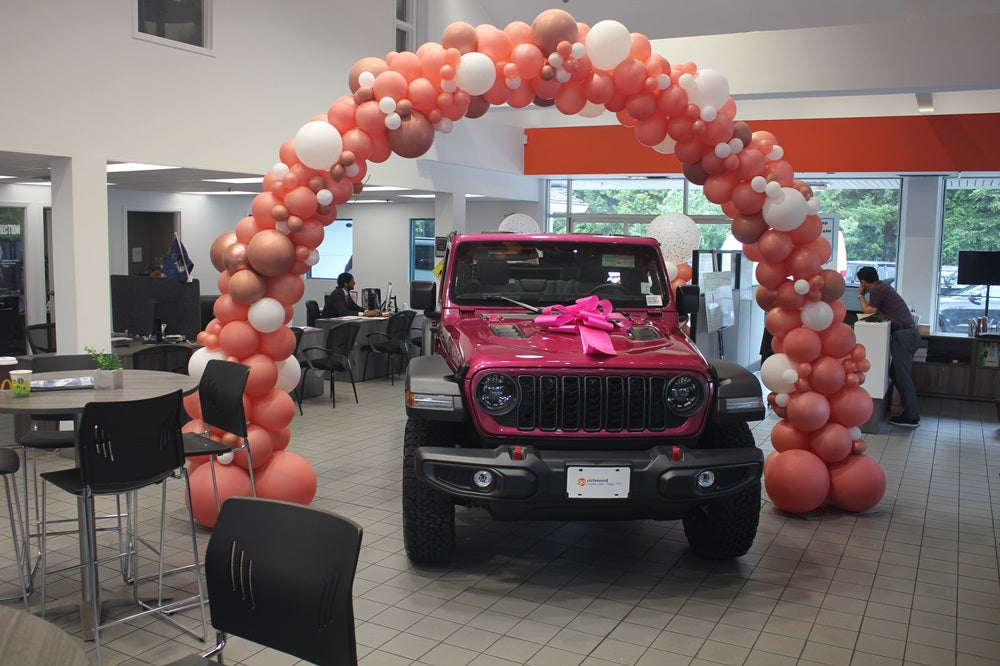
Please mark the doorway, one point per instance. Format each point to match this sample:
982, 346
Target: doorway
149, 235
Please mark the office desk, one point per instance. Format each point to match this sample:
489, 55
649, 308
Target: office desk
138, 384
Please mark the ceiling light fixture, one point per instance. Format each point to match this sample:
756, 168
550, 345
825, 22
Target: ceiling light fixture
136, 166
418, 196
385, 188
226, 193
236, 181
925, 102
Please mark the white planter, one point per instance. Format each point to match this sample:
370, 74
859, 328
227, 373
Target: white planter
108, 379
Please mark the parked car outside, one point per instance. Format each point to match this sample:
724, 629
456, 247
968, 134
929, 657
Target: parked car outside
955, 310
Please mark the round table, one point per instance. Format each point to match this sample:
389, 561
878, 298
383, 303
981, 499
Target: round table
136, 385
27, 639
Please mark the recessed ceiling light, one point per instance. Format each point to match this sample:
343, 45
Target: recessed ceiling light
361, 201
222, 194
136, 166
37, 183
474, 196
2, 177
235, 181
385, 188
418, 196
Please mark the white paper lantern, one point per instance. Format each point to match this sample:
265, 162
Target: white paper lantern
677, 234
519, 223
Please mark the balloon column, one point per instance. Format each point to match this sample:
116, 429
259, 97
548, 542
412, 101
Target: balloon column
396, 105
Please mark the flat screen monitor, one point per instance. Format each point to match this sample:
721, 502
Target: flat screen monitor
141, 304
978, 267
371, 298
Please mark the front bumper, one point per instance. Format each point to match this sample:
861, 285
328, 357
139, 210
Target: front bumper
530, 483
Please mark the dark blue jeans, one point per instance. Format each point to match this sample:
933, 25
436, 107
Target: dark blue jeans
903, 345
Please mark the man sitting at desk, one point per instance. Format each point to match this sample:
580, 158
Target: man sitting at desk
338, 303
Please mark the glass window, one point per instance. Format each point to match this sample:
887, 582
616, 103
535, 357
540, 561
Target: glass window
971, 222
336, 252
405, 27
182, 21
422, 258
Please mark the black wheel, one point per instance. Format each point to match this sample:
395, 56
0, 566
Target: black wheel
610, 288
428, 515
725, 528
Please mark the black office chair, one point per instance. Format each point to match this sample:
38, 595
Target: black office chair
123, 447
220, 394
282, 575
394, 341
9, 464
166, 358
312, 312
303, 366
336, 355
41, 338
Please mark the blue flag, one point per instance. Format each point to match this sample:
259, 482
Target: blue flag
178, 264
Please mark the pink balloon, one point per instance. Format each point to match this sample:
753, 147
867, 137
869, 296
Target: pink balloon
781, 320
273, 410
838, 340
851, 406
809, 411
802, 345
287, 476
239, 339
263, 374
797, 481
785, 436
832, 443
828, 375
857, 483
261, 447
232, 482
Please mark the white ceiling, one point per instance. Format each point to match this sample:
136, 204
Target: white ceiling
783, 58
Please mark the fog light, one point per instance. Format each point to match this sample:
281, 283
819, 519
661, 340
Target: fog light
706, 479
483, 478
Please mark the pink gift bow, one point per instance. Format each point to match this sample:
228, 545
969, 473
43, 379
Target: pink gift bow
591, 317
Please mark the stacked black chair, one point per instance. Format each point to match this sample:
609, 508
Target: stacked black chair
336, 356
393, 342
41, 338
303, 366
312, 312
282, 575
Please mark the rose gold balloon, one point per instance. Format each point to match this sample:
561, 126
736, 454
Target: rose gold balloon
294, 223
246, 286
371, 64
219, 246
279, 213
551, 27
271, 253
413, 138
234, 258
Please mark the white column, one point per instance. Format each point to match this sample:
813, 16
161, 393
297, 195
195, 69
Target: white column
449, 213
917, 267
80, 253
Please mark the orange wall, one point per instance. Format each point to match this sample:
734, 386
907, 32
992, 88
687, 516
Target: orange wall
897, 144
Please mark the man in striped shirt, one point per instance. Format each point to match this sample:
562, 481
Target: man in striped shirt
903, 341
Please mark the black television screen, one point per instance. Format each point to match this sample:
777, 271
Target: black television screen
138, 303
978, 267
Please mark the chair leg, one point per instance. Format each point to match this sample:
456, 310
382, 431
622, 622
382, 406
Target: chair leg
215, 485
333, 391
20, 547
299, 389
194, 544
354, 388
253, 486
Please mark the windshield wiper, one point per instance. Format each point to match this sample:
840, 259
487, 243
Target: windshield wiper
529, 308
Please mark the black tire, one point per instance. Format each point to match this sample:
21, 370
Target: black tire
428, 515
725, 528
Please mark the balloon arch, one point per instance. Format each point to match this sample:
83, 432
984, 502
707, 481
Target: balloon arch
396, 106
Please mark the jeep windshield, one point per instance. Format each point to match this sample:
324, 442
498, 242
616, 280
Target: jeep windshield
545, 272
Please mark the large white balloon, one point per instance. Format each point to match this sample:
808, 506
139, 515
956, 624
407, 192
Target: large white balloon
318, 144
817, 315
608, 43
200, 358
707, 88
289, 372
519, 223
266, 315
591, 110
778, 373
476, 73
785, 210
677, 234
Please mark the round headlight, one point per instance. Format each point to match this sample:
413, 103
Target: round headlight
497, 393
683, 395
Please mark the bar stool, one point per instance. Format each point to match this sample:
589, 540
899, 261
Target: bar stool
9, 464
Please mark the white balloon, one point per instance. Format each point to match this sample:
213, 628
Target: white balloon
282, 226
608, 43
801, 287
817, 315
289, 372
709, 89
785, 211
318, 144
666, 146
313, 258
280, 170
562, 76
324, 197
393, 121
776, 371
476, 73
671, 270
854, 432
519, 223
449, 85
225, 458
591, 110
759, 184
266, 315
579, 50
352, 170
366, 79
677, 234
200, 358
782, 399
387, 105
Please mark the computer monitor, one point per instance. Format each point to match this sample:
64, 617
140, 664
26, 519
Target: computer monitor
141, 304
371, 298
384, 305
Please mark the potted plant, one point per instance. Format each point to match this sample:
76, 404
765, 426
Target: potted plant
109, 372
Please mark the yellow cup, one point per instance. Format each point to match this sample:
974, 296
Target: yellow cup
20, 382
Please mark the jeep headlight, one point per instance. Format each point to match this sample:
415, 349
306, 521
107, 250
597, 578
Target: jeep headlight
683, 395
497, 393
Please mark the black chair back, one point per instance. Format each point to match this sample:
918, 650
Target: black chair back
41, 338
220, 393
397, 329
341, 339
57, 362
312, 312
8, 322
166, 358
282, 575
130, 444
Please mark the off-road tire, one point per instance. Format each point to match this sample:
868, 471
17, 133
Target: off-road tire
428, 514
725, 528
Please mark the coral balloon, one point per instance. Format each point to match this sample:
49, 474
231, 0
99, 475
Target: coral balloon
238, 338
780, 321
857, 483
273, 410
797, 481
785, 437
286, 289
765, 298
232, 482
288, 477
802, 345
246, 286
851, 406
827, 376
277, 344
774, 245
809, 411
838, 340
263, 374
261, 447
226, 309
459, 35
270, 253
374, 66
832, 443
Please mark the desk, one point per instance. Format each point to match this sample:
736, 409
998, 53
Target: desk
368, 325
138, 384
27, 639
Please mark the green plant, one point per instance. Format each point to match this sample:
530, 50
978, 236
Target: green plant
105, 361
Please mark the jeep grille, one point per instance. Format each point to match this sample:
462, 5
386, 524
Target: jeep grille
591, 403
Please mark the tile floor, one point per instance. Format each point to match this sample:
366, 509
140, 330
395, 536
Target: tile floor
913, 581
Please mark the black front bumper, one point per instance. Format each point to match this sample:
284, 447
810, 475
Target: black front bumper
529, 483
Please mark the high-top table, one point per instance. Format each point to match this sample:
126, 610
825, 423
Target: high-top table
137, 385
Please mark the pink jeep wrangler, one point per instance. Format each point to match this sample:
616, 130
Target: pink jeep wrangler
557, 384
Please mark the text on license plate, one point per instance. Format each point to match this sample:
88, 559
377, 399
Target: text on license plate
597, 482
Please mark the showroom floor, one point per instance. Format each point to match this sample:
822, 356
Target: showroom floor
913, 581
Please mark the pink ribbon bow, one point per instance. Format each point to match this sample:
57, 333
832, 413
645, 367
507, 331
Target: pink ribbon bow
591, 317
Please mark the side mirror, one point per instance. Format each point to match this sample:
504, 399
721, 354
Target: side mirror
423, 295
687, 299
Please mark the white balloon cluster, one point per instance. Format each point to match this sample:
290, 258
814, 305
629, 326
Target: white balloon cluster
519, 223
779, 374
678, 236
708, 89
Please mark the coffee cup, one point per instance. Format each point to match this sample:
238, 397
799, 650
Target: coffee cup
20, 383
7, 363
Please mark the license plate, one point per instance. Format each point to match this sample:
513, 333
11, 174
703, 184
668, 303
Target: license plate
597, 482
